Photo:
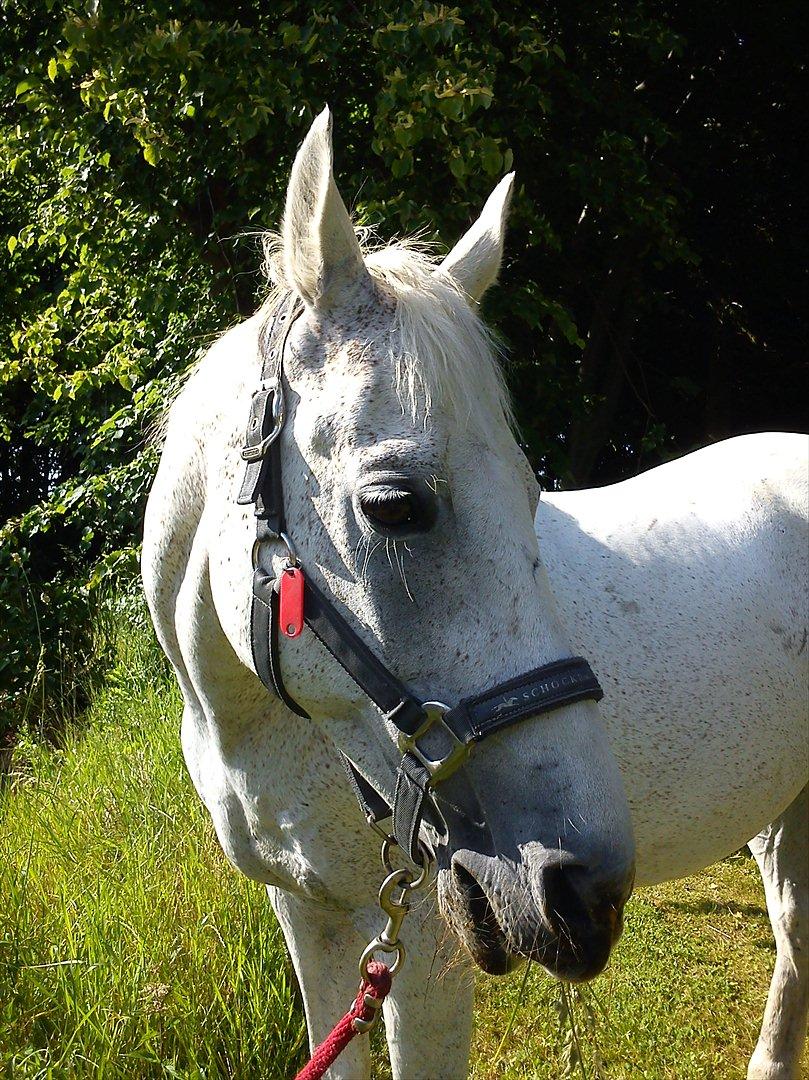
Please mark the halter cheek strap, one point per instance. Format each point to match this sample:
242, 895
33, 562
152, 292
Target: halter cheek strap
457, 729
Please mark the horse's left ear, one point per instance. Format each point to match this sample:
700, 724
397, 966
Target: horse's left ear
475, 260
322, 258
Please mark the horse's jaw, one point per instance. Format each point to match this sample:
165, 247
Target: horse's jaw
504, 912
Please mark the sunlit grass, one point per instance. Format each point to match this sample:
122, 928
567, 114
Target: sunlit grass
682, 998
130, 948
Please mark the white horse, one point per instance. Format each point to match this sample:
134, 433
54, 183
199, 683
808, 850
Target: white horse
412, 507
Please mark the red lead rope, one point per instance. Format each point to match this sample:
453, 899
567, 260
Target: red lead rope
376, 986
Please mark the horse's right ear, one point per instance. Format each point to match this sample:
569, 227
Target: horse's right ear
475, 260
322, 258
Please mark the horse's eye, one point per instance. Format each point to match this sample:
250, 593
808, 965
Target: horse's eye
393, 511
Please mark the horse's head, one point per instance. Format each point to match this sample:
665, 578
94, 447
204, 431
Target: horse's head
412, 506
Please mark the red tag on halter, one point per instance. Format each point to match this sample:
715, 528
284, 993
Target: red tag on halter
290, 613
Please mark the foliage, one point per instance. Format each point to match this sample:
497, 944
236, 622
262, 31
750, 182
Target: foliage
130, 949
654, 279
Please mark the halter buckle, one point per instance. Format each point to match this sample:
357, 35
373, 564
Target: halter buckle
252, 454
438, 768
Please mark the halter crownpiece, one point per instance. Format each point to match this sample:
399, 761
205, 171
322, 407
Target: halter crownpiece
288, 602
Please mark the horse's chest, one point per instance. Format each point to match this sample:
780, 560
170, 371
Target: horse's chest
281, 809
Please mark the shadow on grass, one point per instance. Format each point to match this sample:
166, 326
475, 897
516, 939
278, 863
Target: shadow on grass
718, 907
766, 942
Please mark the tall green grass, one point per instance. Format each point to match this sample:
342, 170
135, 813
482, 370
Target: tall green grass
130, 948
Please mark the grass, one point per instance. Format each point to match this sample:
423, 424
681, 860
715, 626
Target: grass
130, 948
682, 998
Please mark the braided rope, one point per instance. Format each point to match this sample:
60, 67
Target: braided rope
377, 986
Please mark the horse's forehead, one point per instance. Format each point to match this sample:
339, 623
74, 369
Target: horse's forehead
346, 345
356, 408
353, 328
353, 394
348, 366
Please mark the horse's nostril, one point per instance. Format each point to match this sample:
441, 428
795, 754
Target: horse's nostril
479, 907
471, 913
564, 908
576, 901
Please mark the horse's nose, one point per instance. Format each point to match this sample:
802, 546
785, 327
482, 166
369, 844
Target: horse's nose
552, 908
584, 910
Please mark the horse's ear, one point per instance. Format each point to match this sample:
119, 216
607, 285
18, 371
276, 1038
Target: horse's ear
322, 259
475, 260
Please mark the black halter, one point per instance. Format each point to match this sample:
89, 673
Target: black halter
462, 726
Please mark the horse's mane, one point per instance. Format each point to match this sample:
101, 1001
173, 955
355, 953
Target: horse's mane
442, 354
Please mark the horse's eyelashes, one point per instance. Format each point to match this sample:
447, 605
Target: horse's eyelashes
394, 512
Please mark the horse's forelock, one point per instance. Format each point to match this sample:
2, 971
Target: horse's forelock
442, 354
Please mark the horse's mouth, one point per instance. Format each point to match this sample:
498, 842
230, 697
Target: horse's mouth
575, 956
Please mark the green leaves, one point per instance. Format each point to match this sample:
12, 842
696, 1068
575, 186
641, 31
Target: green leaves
143, 144
139, 143
491, 157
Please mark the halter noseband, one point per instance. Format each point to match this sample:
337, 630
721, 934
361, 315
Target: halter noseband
462, 726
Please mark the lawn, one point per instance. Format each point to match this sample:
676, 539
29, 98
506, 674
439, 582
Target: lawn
129, 948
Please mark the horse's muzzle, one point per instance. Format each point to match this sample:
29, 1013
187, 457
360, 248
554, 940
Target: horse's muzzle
562, 915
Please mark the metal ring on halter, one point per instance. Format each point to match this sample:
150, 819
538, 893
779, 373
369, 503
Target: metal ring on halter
426, 866
254, 553
426, 863
386, 947
292, 555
